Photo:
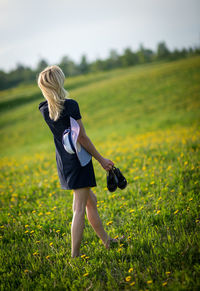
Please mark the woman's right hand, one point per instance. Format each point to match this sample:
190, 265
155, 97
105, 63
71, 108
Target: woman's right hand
106, 164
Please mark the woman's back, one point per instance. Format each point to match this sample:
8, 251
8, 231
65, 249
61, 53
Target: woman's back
57, 127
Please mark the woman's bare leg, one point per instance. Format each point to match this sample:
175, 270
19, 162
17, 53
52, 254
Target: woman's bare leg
94, 219
78, 221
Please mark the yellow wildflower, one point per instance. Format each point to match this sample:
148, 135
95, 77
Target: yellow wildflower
164, 284
132, 284
128, 278
149, 282
109, 222
130, 270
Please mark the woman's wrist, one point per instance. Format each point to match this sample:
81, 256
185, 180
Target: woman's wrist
99, 158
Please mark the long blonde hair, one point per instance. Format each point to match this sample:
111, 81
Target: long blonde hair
51, 81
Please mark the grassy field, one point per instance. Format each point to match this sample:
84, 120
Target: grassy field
146, 119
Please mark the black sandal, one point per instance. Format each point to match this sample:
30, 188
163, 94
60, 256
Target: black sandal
112, 181
122, 183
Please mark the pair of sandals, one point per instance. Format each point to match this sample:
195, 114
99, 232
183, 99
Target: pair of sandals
115, 179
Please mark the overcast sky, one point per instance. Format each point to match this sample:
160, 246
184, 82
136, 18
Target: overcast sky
49, 29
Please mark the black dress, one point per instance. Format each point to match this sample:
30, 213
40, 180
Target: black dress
71, 174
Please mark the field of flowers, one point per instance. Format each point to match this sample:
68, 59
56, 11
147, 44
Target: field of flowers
156, 145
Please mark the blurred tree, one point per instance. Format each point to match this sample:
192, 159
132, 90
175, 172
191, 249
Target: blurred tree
140, 54
144, 55
196, 51
24, 73
68, 66
97, 65
84, 65
113, 61
174, 55
162, 51
16, 76
129, 58
42, 64
4, 80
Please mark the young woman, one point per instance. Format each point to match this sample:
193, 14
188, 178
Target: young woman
56, 111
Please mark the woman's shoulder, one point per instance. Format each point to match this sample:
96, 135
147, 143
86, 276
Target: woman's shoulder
71, 102
42, 105
72, 108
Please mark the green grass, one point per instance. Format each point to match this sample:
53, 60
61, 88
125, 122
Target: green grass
146, 119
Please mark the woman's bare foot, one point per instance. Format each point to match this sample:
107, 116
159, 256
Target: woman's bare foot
111, 242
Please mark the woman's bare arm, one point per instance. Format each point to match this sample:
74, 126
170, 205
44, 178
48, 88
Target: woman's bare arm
84, 140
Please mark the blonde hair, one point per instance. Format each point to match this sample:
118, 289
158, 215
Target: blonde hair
51, 81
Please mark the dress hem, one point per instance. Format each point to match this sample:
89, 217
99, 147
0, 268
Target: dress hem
90, 186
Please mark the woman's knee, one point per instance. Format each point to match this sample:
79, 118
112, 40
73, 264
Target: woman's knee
79, 209
92, 199
80, 199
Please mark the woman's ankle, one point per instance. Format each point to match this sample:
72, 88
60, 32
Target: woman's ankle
107, 242
75, 254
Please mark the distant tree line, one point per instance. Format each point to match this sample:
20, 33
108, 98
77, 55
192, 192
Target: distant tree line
129, 58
